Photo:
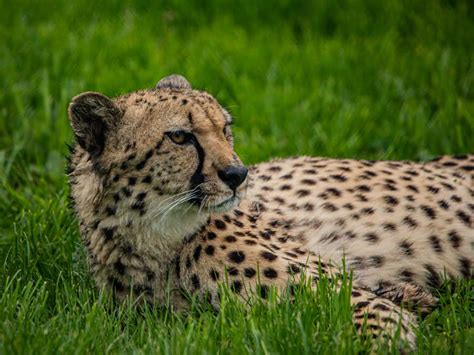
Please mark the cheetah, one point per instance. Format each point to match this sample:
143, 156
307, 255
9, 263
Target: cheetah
164, 203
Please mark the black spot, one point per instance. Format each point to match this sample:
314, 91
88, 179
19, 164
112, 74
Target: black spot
308, 182
132, 180
293, 269
249, 272
141, 196
110, 210
196, 282
450, 163
219, 224
367, 211
430, 212
108, 233
236, 256
266, 234
147, 179
455, 239
230, 239
363, 188
456, 198
465, 268
188, 262
141, 165
268, 256
381, 306
236, 286
177, 267
468, 167
270, 273
391, 200
237, 223
406, 248
448, 186
338, 177
285, 187
232, 271
263, 291
432, 189
250, 242
410, 222
209, 250
329, 207
464, 217
214, 275
371, 237
127, 249
150, 275
406, 275
126, 191
138, 205
211, 235
197, 253
356, 294
436, 244
116, 284
412, 188
432, 277
119, 267
362, 304
238, 213
333, 191
376, 260
443, 204
389, 227
302, 193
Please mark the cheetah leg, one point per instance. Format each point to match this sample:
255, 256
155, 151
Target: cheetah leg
409, 295
380, 316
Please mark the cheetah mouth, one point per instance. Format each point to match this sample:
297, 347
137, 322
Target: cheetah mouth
224, 205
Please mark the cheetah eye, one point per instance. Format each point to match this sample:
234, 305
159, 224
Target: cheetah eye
180, 137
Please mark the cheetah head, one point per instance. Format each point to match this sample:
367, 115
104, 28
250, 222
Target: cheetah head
162, 156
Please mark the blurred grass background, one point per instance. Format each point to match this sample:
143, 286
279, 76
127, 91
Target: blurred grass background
362, 79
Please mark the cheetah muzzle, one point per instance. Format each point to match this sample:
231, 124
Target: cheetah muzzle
160, 195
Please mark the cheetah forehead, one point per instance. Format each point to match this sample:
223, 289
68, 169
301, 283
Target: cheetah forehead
150, 112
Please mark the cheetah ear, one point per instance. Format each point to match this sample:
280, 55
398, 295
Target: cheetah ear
92, 115
174, 81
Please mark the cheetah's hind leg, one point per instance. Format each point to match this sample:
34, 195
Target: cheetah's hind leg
408, 295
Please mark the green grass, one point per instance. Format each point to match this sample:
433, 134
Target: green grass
362, 79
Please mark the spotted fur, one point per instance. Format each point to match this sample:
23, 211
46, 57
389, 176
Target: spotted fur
157, 214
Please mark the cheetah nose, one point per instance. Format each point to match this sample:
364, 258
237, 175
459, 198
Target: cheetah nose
233, 176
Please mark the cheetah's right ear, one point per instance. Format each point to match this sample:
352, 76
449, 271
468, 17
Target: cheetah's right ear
92, 115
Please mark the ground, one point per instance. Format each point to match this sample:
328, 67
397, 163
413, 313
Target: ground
360, 80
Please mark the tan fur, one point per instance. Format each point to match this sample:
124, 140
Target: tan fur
401, 226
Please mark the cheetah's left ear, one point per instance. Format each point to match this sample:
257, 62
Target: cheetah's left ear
174, 81
92, 115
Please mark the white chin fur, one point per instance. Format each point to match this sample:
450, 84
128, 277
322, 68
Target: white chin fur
179, 223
